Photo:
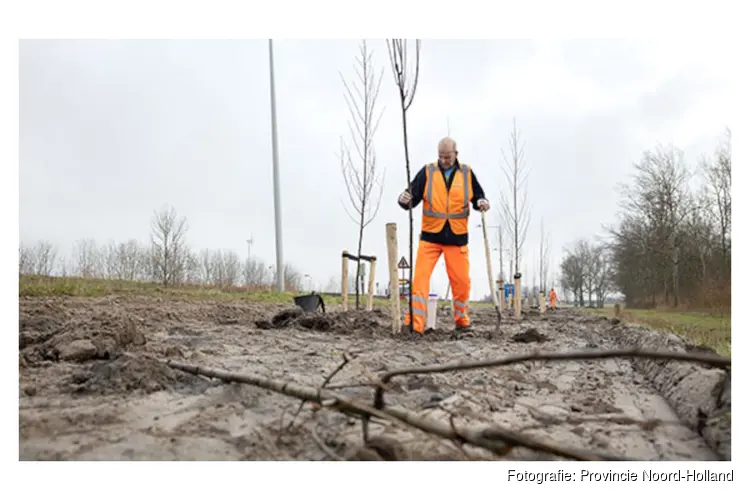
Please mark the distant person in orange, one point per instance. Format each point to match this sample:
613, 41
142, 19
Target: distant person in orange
447, 188
552, 299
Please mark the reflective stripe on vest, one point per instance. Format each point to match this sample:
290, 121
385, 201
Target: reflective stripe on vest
433, 169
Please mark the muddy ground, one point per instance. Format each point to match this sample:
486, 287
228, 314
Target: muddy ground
90, 388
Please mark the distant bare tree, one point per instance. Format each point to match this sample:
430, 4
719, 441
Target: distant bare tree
41, 259
232, 268
361, 176
672, 244
109, 261
407, 87
128, 260
602, 270
64, 268
659, 199
169, 246
193, 268
26, 264
719, 176
292, 277
134, 262
217, 268
254, 272
588, 254
206, 266
573, 270
587, 268
514, 204
87, 258
146, 258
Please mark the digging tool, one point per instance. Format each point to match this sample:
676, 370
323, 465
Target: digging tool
488, 256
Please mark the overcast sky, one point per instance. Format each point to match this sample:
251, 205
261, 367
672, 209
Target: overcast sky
112, 130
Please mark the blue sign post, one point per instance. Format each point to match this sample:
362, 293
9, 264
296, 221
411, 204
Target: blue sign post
509, 289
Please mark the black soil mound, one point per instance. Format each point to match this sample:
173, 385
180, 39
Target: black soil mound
360, 322
529, 336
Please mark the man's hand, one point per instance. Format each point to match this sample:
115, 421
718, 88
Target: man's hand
483, 205
405, 198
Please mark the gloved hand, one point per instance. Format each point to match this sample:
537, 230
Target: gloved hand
405, 198
483, 205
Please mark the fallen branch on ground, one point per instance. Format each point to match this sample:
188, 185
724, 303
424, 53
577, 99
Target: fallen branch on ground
492, 438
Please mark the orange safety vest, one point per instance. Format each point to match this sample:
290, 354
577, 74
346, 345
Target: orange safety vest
441, 204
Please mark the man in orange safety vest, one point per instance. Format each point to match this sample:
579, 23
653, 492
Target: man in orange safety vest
446, 189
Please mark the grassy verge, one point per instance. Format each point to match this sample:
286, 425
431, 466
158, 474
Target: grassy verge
705, 329
52, 286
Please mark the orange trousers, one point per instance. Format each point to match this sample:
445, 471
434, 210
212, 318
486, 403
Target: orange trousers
457, 265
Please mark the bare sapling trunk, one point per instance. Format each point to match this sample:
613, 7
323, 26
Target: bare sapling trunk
407, 86
361, 176
514, 204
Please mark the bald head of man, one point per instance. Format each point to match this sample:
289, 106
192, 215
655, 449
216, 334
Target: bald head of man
447, 152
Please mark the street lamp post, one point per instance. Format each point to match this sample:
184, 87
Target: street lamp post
276, 194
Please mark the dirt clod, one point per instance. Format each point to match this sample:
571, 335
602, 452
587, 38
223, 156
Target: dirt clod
317, 322
88, 337
286, 317
77, 350
530, 335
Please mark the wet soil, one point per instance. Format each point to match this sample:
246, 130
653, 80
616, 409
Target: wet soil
92, 386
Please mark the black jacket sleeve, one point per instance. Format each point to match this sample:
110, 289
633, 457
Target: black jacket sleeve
478, 191
417, 189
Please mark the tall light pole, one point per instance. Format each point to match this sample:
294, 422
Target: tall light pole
276, 194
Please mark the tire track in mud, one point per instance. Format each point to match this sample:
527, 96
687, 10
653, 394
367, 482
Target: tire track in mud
108, 405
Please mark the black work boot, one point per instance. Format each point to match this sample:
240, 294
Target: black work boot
405, 331
460, 331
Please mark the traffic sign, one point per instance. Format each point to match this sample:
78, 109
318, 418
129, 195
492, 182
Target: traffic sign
402, 264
